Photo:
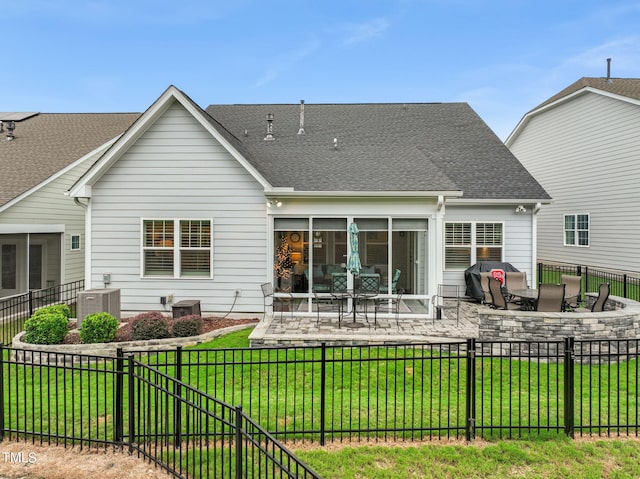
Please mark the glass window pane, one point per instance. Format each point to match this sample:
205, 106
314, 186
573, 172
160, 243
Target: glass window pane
158, 233
371, 224
583, 238
457, 258
488, 254
9, 266
570, 237
195, 234
489, 234
195, 263
569, 222
290, 224
158, 263
583, 222
458, 234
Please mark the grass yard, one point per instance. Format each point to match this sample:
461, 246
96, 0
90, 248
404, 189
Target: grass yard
551, 459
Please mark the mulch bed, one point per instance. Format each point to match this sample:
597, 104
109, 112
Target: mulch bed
210, 323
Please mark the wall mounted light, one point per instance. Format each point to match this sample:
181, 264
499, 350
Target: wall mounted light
275, 202
520, 209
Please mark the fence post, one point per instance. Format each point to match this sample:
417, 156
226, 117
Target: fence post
177, 402
539, 279
470, 400
625, 285
30, 303
119, 403
132, 404
323, 384
569, 393
238, 442
1, 391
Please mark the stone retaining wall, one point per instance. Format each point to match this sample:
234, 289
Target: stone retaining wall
621, 321
65, 354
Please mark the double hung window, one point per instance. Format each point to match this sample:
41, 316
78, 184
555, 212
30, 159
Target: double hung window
177, 248
467, 243
576, 230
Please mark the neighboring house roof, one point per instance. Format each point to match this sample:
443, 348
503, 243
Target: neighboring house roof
628, 87
380, 148
45, 143
622, 88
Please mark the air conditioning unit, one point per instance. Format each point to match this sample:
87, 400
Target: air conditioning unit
98, 301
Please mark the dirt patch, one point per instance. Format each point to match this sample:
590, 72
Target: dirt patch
33, 461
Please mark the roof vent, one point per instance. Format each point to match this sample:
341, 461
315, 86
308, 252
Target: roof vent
608, 70
301, 130
10, 127
269, 127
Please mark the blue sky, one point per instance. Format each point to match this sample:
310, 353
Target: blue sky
501, 57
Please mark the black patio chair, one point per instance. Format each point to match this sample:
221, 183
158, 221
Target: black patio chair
269, 300
498, 299
388, 305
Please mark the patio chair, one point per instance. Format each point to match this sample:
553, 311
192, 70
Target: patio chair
601, 300
269, 300
572, 291
447, 299
498, 299
325, 302
338, 283
388, 305
484, 284
550, 297
384, 288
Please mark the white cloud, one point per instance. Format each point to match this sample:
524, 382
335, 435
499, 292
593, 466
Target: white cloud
362, 32
288, 61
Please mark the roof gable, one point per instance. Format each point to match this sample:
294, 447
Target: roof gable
82, 188
625, 89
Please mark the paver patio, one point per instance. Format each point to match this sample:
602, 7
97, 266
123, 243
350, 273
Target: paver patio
305, 330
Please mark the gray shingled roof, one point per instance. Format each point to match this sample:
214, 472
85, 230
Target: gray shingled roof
629, 87
48, 142
381, 147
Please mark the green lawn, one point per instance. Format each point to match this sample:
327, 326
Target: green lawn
553, 459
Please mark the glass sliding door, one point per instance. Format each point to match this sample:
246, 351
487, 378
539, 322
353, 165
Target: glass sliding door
409, 254
328, 251
291, 254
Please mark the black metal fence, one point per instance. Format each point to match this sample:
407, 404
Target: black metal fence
15, 310
622, 284
174, 408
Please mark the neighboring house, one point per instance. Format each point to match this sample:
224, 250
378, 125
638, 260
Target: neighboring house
583, 145
41, 230
195, 204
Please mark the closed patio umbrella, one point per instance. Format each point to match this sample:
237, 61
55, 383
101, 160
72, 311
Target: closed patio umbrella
353, 262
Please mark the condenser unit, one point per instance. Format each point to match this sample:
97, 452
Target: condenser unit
98, 301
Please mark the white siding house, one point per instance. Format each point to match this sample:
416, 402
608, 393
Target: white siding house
208, 205
583, 145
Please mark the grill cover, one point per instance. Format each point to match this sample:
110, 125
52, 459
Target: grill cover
472, 276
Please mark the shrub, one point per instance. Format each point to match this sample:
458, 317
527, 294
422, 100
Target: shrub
98, 328
151, 325
48, 325
187, 326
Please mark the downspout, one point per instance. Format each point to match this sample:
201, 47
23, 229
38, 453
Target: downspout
438, 242
87, 240
534, 246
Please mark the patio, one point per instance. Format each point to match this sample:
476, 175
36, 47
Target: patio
304, 329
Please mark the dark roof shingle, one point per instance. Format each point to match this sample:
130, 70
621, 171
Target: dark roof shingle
380, 147
629, 87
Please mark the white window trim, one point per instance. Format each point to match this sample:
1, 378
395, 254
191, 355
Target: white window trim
576, 230
473, 246
176, 249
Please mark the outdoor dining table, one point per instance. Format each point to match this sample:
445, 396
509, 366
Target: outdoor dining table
529, 295
356, 295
